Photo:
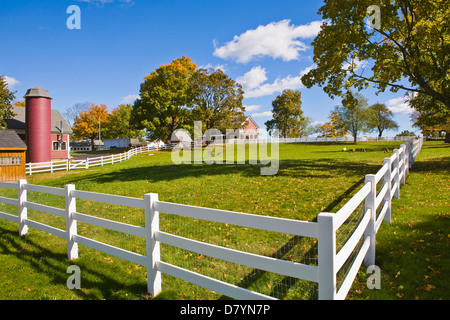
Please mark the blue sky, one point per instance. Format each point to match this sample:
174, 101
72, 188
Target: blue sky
264, 45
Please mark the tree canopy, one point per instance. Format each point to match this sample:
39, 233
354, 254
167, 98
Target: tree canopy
412, 43
382, 118
430, 115
216, 100
287, 115
88, 123
354, 115
118, 124
6, 99
162, 105
333, 128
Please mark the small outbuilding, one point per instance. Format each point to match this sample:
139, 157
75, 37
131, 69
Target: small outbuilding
12, 156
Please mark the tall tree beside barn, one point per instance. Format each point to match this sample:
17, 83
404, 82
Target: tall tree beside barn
88, 123
6, 102
216, 100
162, 105
287, 115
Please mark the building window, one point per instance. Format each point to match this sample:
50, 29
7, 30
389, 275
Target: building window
63, 145
55, 145
10, 161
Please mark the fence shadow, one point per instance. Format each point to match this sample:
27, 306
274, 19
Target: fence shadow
317, 168
54, 265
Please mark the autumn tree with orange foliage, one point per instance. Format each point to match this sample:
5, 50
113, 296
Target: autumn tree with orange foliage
88, 123
332, 129
162, 106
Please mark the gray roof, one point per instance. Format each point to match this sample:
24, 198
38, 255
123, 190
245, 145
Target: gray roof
18, 121
37, 92
10, 139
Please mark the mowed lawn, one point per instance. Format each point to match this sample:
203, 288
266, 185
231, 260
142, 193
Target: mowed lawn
311, 178
413, 252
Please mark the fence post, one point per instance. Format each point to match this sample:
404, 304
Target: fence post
402, 168
388, 197
152, 246
327, 256
23, 213
370, 230
71, 224
397, 174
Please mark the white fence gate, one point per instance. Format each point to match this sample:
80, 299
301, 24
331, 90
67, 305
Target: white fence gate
391, 175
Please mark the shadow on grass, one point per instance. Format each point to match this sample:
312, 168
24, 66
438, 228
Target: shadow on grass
54, 266
319, 168
431, 165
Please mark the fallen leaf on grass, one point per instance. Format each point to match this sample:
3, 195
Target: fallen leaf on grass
427, 287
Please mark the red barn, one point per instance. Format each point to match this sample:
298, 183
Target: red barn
44, 130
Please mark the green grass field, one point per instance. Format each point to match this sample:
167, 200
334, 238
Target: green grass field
311, 178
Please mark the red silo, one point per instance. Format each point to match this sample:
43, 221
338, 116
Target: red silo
38, 125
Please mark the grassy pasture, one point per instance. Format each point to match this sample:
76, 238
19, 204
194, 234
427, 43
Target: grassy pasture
311, 178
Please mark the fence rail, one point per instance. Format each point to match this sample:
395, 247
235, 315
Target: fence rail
330, 261
66, 165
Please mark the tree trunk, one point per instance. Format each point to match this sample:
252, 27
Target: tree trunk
447, 136
93, 144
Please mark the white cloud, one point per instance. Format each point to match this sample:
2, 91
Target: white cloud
278, 40
317, 123
280, 84
253, 83
129, 99
253, 78
101, 3
11, 81
252, 108
265, 114
357, 64
399, 105
210, 66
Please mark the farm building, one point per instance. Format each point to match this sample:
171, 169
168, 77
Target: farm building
44, 130
86, 145
12, 156
249, 131
121, 143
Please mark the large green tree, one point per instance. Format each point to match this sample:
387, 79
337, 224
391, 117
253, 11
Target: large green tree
216, 100
354, 114
408, 40
118, 125
6, 102
162, 105
430, 115
382, 118
287, 115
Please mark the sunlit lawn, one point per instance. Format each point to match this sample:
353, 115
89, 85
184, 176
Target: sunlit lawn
311, 178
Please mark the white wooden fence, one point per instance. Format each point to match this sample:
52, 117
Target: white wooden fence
392, 175
66, 165
323, 139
